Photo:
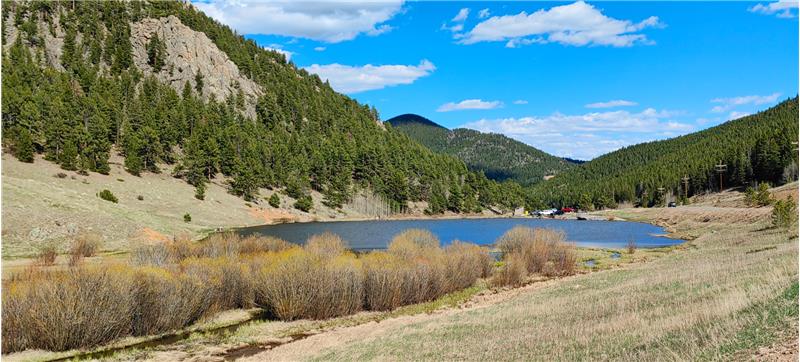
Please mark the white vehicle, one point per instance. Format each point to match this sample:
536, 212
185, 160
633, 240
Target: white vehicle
546, 212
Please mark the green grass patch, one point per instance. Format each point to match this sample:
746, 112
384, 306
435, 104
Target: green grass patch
767, 320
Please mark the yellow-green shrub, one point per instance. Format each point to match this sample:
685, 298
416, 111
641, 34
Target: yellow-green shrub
383, 281
230, 281
257, 244
167, 300
542, 250
413, 243
465, 263
326, 245
299, 284
512, 273
69, 309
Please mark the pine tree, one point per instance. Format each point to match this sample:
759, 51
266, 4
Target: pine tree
198, 83
156, 53
23, 146
69, 156
68, 52
274, 200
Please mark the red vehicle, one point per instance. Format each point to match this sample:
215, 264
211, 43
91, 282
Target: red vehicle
567, 209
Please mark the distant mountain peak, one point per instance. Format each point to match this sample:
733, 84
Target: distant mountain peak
410, 118
497, 156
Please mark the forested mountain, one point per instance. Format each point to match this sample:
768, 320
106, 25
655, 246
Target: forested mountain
84, 79
756, 148
499, 157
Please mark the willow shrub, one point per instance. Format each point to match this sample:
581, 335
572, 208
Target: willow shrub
543, 251
173, 285
299, 284
62, 310
228, 245
512, 272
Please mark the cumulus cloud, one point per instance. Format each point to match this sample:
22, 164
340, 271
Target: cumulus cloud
483, 14
354, 79
520, 101
576, 24
726, 104
320, 49
585, 136
329, 21
782, 9
611, 104
469, 104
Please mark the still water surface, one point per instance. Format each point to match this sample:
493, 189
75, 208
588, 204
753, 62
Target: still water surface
376, 234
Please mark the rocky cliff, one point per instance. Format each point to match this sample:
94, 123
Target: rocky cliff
188, 53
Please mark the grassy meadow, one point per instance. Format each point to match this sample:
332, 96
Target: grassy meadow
730, 290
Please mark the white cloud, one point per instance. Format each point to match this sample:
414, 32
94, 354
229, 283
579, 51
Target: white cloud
320, 49
483, 14
611, 104
469, 104
589, 135
737, 115
461, 16
457, 22
328, 21
783, 8
726, 104
576, 24
354, 79
285, 53
520, 101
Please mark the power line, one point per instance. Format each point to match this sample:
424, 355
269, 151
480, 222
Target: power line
721, 168
685, 180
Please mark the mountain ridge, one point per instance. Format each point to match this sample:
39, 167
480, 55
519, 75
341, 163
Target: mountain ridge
498, 156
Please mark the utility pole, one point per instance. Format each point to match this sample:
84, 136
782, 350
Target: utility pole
721, 169
685, 181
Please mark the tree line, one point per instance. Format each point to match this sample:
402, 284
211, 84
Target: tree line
304, 135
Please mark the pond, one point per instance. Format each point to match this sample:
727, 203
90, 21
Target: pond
376, 234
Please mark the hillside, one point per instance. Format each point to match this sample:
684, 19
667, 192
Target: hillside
160, 83
756, 148
498, 157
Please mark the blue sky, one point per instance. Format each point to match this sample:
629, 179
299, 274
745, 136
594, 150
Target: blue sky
574, 79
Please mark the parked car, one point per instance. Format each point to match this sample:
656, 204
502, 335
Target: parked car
672, 204
567, 209
546, 212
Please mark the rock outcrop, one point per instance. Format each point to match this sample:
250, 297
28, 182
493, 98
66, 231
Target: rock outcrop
189, 52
